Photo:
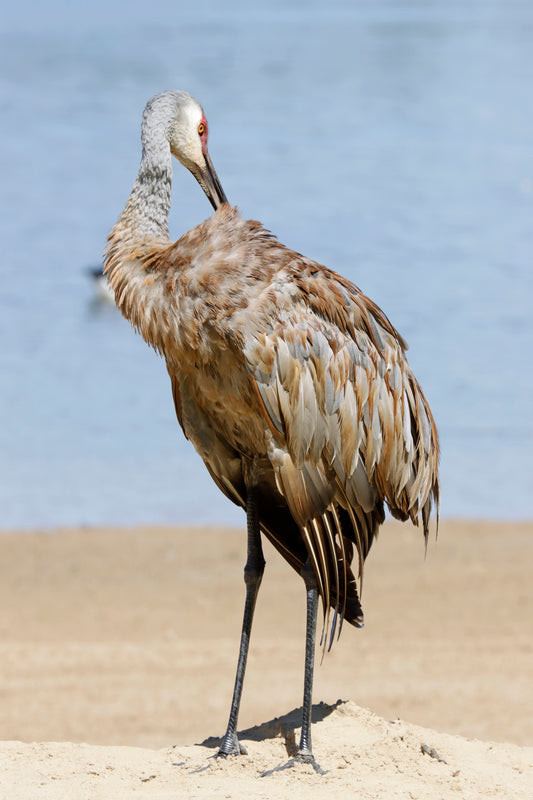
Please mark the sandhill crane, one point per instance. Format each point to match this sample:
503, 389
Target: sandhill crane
292, 385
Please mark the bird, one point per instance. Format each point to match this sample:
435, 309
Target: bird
292, 385
102, 289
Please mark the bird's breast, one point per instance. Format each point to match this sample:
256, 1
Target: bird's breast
217, 404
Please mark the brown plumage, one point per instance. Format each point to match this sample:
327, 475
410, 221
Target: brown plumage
292, 385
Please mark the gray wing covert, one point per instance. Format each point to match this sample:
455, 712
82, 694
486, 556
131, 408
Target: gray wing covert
350, 429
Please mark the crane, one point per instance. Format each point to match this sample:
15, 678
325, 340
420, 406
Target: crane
292, 385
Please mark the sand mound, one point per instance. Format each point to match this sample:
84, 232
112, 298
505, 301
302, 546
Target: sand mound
366, 757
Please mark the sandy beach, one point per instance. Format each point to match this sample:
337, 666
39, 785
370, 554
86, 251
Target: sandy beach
118, 650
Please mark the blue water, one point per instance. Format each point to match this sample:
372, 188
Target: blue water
391, 141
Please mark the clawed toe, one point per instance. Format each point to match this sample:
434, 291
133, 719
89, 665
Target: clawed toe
231, 747
299, 759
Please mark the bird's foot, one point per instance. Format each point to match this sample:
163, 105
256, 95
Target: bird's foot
301, 758
231, 747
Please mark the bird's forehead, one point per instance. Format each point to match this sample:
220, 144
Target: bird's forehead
193, 110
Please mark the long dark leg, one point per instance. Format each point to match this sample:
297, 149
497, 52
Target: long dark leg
305, 752
253, 573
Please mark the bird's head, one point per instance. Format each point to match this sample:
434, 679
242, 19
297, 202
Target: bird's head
183, 120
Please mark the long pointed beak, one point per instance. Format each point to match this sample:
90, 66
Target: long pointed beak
211, 184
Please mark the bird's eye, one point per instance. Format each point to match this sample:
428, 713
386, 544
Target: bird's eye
201, 128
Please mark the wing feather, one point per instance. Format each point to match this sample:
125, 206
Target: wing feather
350, 428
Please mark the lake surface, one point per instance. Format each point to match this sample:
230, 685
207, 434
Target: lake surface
391, 141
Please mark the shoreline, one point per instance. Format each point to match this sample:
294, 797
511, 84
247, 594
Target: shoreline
130, 636
120, 645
